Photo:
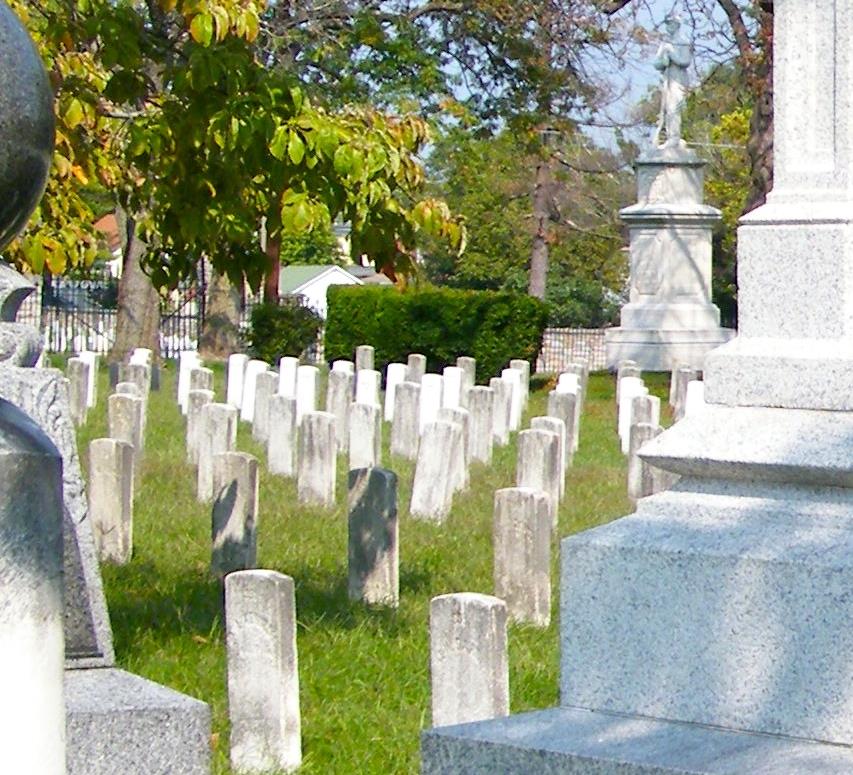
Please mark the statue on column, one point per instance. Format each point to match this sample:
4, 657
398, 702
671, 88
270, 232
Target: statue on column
673, 58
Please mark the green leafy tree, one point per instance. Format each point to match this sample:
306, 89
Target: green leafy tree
487, 180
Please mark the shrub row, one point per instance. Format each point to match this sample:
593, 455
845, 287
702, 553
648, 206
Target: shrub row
442, 323
282, 329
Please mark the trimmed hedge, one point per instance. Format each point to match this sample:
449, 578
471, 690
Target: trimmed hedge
442, 323
282, 329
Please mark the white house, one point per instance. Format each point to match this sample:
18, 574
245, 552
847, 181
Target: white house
312, 282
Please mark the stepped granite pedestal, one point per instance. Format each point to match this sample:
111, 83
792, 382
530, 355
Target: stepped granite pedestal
710, 631
669, 318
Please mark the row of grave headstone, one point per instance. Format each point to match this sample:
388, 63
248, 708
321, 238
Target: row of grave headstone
114, 460
469, 666
305, 444
638, 421
524, 515
468, 632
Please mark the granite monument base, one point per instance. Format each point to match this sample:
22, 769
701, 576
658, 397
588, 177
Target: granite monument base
708, 632
570, 741
117, 722
661, 350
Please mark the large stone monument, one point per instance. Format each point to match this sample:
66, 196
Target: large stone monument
669, 318
115, 721
709, 632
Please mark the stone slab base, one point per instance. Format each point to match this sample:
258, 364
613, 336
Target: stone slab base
569, 741
662, 350
717, 602
789, 373
118, 722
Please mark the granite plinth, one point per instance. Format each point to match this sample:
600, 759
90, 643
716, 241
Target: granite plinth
662, 350
120, 723
570, 741
778, 372
718, 602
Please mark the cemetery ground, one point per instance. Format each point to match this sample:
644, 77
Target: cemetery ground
363, 672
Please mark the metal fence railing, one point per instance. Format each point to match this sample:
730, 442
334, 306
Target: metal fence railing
561, 346
75, 315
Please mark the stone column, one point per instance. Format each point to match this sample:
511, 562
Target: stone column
643, 479
365, 436
187, 360
394, 375
459, 453
235, 513
678, 388
367, 385
430, 403
247, 407
514, 377
405, 430
364, 356
200, 379
629, 388
481, 405
468, 658
469, 368
111, 499
339, 392
373, 537
522, 551
451, 387
283, 441
236, 376
287, 369
263, 672
196, 401
77, 372
432, 488
502, 411
217, 433
346, 366
124, 421
539, 465
557, 426
266, 386
31, 612
316, 467
92, 389
307, 383
524, 367
415, 367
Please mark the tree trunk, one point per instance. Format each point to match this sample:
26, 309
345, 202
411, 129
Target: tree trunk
273, 270
220, 335
138, 314
538, 275
760, 144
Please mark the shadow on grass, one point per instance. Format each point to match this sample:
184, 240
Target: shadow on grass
190, 604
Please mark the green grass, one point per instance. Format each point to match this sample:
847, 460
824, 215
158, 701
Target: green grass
364, 673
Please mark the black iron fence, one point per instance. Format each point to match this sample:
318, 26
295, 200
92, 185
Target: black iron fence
75, 315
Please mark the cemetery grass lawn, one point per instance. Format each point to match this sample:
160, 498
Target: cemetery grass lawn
364, 673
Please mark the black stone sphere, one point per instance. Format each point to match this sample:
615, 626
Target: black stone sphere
26, 126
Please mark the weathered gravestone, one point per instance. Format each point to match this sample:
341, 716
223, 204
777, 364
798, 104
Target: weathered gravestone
522, 550
469, 666
115, 722
373, 537
263, 672
709, 632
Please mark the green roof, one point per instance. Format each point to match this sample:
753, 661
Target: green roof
295, 276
